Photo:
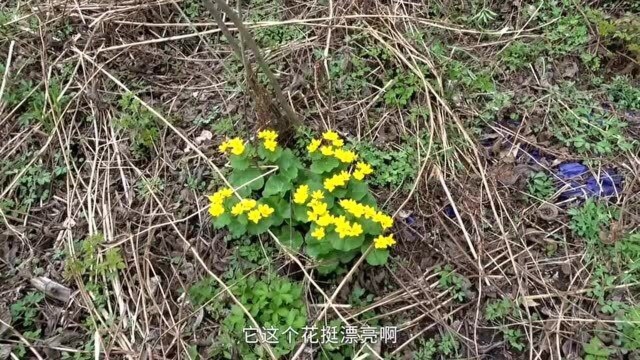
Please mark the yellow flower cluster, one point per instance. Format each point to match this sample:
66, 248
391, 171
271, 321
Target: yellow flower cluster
255, 212
269, 137
340, 179
362, 169
216, 208
383, 242
368, 212
345, 228
235, 145
301, 194
332, 148
319, 214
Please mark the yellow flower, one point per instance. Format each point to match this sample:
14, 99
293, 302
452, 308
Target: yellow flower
369, 212
220, 195
270, 145
345, 156
265, 210
236, 145
248, 204
301, 194
216, 209
337, 143
314, 145
317, 210
362, 169
318, 233
324, 220
254, 215
384, 220
356, 229
267, 135
337, 180
383, 242
237, 210
243, 206
317, 195
331, 135
353, 207
326, 150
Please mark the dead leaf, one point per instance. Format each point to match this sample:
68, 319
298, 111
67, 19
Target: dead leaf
5, 351
5, 316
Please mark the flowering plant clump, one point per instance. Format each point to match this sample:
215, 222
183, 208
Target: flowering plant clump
327, 208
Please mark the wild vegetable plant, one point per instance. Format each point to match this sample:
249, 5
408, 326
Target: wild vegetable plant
325, 207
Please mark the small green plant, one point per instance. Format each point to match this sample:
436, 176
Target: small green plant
588, 220
619, 32
580, 124
405, 84
629, 326
498, 310
520, 54
273, 301
226, 126
541, 185
622, 93
326, 207
514, 338
26, 309
567, 35
139, 123
448, 345
394, 168
87, 262
34, 185
427, 350
147, 187
450, 280
32, 336
595, 350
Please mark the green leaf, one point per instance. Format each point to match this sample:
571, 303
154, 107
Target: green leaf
277, 184
261, 227
281, 207
370, 227
377, 256
239, 162
251, 178
290, 237
222, 220
288, 165
269, 155
299, 212
357, 190
345, 244
324, 164
236, 226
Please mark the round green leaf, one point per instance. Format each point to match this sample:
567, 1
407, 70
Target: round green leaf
345, 244
324, 164
357, 190
251, 178
239, 162
277, 184
377, 256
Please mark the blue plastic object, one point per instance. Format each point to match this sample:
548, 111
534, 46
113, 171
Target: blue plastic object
582, 183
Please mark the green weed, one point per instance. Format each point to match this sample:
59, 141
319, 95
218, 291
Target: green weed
274, 302
26, 310
404, 85
450, 280
595, 350
520, 54
448, 345
588, 220
139, 123
541, 185
514, 338
629, 327
498, 310
427, 350
86, 261
393, 168
622, 93
147, 187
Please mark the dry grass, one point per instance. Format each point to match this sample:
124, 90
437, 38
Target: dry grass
179, 68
